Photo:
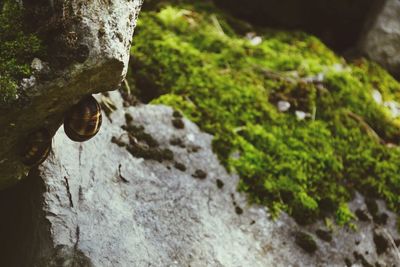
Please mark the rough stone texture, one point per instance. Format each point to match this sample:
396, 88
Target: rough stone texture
96, 37
94, 204
381, 40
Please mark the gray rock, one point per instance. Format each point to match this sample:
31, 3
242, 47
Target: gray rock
94, 204
96, 35
381, 40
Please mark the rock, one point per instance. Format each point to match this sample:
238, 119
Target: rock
95, 59
283, 106
301, 115
253, 38
377, 96
381, 39
37, 65
394, 108
96, 204
27, 83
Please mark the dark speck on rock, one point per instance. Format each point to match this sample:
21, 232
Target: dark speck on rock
139, 134
194, 149
238, 210
348, 263
178, 123
357, 242
372, 206
180, 166
306, 242
128, 118
177, 142
362, 215
200, 174
117, 142
177, 114
381, 218
361, 258
381, 243
324, 235
82, 53
397, 242
167, 154
220, 184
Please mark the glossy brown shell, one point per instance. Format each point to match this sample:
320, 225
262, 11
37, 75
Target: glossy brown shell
37, 148
83, 120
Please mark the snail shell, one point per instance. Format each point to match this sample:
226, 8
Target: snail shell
37, 148
83, 120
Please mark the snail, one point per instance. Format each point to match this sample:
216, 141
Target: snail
83, 120
37, 148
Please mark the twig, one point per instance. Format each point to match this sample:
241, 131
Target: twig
275, 75
128, 88
217, 24
371, 132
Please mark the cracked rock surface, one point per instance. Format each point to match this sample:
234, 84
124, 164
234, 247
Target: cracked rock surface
95, 204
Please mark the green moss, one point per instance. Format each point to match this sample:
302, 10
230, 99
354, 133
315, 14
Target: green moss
192, 59
17, 49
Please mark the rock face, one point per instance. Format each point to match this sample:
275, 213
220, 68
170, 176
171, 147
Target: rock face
172, 204
89, 42
381, 40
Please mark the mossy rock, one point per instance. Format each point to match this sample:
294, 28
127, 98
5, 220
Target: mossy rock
201, 65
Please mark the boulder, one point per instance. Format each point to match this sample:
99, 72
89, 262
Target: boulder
381, 39
145, 192
89, 43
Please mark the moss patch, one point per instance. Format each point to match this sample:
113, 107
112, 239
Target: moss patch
194, 59
17, 49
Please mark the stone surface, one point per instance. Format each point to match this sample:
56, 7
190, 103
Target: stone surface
89, 43
94, 204
381, 40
